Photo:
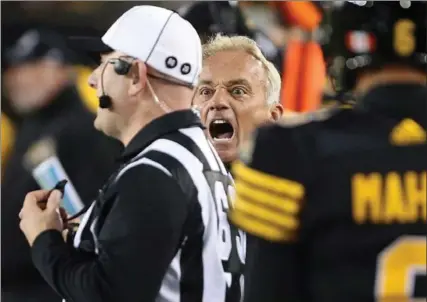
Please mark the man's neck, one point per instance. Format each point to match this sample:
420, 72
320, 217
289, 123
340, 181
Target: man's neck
175, 98
135, 125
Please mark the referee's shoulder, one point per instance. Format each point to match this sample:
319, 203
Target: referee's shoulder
142, 171
144, 180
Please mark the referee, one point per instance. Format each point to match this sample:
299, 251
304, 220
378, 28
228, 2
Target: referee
158, 230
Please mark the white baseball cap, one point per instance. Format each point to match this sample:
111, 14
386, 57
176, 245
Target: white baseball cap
159, 37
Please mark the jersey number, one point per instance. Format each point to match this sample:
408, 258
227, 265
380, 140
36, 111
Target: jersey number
404, 41
232, 243
398, 266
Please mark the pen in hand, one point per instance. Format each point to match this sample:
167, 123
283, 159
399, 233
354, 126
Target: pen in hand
59, 186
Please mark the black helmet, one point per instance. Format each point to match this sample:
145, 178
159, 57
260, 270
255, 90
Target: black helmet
212, 17
368, 34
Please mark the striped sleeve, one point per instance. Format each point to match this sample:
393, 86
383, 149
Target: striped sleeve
269, 187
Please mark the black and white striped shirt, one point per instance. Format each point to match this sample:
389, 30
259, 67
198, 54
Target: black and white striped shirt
200, 257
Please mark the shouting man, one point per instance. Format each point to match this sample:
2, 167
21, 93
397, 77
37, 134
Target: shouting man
238, 88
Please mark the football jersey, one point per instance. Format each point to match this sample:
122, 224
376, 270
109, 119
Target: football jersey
337, 200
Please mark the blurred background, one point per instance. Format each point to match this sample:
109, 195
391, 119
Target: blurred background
262, 20
45, 96
259, 19
65, 18
48, 109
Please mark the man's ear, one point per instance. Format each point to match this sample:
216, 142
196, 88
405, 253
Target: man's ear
276, 112
138, 76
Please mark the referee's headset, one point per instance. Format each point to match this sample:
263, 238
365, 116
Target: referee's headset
304, 68
122, 67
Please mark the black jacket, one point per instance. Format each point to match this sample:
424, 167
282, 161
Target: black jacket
337, 202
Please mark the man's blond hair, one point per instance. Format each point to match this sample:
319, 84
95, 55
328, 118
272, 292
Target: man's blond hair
224, 43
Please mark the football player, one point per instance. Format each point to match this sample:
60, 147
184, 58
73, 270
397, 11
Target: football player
337, 198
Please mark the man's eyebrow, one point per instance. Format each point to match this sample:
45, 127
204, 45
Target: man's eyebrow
238, 82
205, 82
228, 83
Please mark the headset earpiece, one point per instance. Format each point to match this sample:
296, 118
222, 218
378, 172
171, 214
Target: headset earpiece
121, 67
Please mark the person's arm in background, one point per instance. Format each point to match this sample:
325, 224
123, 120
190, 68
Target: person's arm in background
269, 191
139, 239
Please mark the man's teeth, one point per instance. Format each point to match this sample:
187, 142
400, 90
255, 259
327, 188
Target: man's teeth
217, 139
221, 136
219, 122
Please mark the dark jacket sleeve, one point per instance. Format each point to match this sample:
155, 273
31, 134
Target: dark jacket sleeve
269, 206
138, 240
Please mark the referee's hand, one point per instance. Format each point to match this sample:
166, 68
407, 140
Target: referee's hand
35, 220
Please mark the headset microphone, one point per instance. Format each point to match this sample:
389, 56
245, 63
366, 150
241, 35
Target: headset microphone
105, 101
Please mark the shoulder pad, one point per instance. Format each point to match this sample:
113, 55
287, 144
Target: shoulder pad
294, 119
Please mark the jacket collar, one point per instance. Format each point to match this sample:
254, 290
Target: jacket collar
159, 127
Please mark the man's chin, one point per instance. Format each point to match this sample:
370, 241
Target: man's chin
227, 155
227, 150
97, 124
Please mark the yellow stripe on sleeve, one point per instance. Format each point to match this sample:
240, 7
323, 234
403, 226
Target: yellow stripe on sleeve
266, 206
269, 216
259, 229
266, 199
276, 184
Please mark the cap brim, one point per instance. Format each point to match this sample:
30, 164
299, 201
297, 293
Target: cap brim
91, 46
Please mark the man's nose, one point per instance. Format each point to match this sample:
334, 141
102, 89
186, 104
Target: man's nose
219, 101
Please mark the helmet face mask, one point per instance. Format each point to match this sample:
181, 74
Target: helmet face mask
369, 35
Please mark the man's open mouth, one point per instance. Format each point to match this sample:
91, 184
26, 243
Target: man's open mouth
221, 130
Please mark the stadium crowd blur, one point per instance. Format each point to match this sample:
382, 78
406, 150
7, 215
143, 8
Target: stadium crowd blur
45, 93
